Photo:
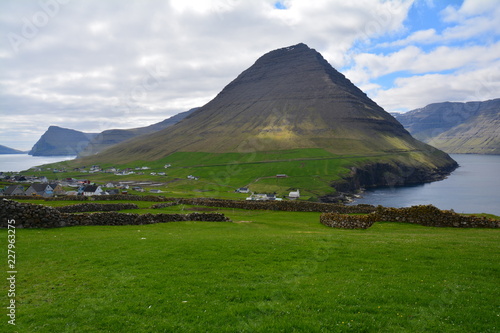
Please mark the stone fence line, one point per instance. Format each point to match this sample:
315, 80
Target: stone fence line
29, 215
426, 215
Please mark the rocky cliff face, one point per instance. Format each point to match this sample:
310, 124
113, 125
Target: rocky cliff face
470, 128
58, 141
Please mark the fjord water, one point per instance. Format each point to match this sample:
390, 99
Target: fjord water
21, 162
472, 188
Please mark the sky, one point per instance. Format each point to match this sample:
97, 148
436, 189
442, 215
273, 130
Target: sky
93, 65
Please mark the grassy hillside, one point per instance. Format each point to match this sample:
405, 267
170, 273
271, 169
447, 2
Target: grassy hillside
312, 171
264, 272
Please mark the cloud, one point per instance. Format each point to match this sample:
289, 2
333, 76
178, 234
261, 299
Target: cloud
94, 65
463, 86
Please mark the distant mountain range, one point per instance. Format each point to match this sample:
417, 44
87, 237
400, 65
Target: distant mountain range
465, 128
7, 150
58, 141
112, 137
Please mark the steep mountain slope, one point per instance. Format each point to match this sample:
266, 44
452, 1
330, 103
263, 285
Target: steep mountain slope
291, 98
112, 137
58, 141
469, 128
7, 150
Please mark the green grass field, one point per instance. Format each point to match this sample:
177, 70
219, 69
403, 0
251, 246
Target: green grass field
310, 170
264, 272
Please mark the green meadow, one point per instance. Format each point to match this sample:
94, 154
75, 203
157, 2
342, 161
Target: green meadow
265, 271
310, 170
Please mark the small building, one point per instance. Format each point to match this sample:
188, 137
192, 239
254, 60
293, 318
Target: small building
89, 190
271, 197
14, 190
57, 188
113, 191
110, 185
281, 175
138, 189
242, 190
262, 197
43, 190
155, 191
294, 195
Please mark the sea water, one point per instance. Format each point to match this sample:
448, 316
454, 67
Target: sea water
21, 162
472, 188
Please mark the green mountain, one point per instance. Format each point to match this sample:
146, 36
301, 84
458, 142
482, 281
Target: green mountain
58, 141
292, 98
7, 150
465, 128
112, 137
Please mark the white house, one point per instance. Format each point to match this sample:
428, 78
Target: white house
90, 190
243, 190
294, 195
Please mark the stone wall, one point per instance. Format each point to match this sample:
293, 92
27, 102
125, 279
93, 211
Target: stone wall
286, 205
424, 215
29, 215
96, 207
344, 221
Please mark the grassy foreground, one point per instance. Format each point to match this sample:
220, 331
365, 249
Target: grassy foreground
264, 272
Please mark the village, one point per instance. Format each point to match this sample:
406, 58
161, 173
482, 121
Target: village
16, 184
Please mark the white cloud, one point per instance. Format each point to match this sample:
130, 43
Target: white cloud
94, 65
414, 60
417, 91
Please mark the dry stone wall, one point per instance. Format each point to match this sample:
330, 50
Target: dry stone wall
287, 206
96, 207
29, 215
426, 215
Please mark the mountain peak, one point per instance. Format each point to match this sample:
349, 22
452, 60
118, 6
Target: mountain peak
290, 98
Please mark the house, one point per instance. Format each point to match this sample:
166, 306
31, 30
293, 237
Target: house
243, 190
294, 195
113, 191
138, 188
167, 166
271, 196
43, 190
110, 185
89, 190
155, 191
262, 197
14, 190
57, 188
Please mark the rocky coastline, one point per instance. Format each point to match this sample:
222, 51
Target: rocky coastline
375, 175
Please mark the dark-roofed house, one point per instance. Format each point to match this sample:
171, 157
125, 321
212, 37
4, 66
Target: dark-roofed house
43, 190
57, 188
89, 190
14, 190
